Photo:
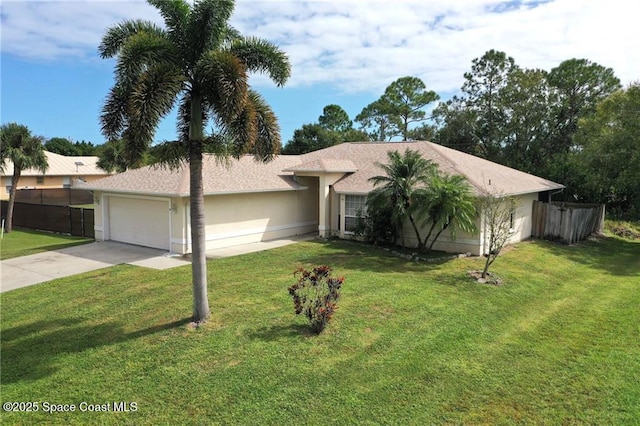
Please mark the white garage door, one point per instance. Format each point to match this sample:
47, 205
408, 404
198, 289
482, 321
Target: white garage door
140, 222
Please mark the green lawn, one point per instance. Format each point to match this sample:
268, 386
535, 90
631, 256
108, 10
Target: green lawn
22, 242
411, 343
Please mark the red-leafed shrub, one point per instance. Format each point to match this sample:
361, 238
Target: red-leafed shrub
316, 295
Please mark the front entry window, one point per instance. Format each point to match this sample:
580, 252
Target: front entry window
353, 204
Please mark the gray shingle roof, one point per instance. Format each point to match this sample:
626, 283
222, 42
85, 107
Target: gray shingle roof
356, 160
243, 175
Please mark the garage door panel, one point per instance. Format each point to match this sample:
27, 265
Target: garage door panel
140, 222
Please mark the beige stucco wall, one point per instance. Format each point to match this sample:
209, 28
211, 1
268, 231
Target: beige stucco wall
235, 218
464, 242
523, 217
48, 183
246, 218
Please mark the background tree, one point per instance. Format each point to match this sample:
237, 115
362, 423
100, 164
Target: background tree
376, 119
201, 63
407, 98
333, 127
579, 85
402, 187
482, 91
497, 214
62, 146
311, 137
111, 156
25, 151
85, 148
527, 102
335, 119
448, 204
609, 162
401, 106
456, 126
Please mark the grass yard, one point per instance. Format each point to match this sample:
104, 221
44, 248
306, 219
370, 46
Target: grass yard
411, 343
23, 242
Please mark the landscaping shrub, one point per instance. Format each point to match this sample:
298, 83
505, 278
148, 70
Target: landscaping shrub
626, 230
316, 295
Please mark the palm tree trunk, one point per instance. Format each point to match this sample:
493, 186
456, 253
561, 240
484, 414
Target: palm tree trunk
12, 199
198, 231
435, 238
415, 229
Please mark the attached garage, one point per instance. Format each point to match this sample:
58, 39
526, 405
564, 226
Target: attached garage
140, 221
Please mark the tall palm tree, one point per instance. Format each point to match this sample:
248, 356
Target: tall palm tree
201, 63
449, 204
25, 152
402, 186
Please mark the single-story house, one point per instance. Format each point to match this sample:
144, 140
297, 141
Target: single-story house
321, 192
63, 172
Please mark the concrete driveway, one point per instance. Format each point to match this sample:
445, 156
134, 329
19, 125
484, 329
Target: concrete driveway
36, 268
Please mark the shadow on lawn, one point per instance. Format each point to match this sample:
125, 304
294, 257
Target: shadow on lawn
370, 258
612, 255
278, 332
29, 352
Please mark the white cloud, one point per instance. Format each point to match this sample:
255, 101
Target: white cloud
361, 46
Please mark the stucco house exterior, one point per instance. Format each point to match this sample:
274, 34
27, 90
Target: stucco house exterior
63, 172
321, 192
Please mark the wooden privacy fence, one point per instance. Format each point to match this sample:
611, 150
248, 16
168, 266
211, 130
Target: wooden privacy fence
566, 222
62, 219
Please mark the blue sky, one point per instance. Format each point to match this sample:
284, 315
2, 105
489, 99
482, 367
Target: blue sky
342, 52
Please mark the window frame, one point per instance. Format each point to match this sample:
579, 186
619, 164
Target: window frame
359, 202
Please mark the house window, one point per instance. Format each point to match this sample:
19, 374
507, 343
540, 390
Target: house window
39, 180
353, 204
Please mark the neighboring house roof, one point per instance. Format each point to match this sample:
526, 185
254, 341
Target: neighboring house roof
62, 165
357, 160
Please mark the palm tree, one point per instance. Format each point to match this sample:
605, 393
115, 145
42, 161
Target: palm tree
449, 204
25, 152
402, 186
112, 156
201, 63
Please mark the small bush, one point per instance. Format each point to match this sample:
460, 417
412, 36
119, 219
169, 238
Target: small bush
626, 230
316, 295
376, 227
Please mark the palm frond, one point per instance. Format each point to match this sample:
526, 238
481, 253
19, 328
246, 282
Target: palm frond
151, 99
223, 84
262, 56
175, 14
141, 51
170, 154
113, 118
242, 130
117, 36
267, 143
207, 26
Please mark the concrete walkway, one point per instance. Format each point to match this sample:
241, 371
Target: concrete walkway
254, 247
37, 268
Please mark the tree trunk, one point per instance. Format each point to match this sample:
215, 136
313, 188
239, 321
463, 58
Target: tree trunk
435, 238
8, 226
415, 229
198, 231
486, 266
